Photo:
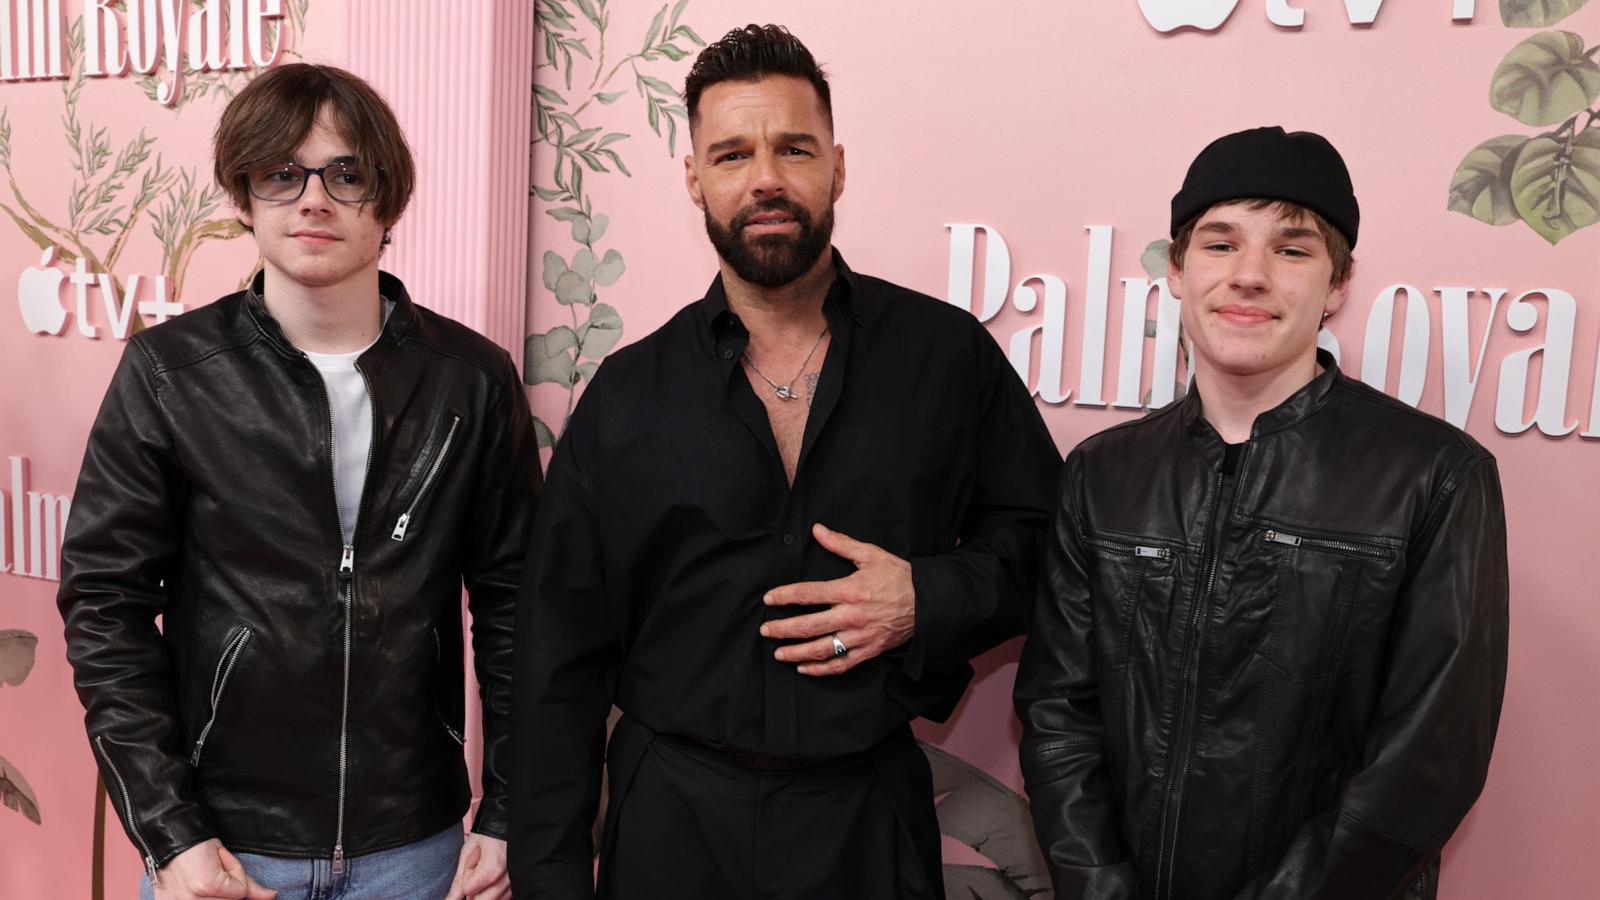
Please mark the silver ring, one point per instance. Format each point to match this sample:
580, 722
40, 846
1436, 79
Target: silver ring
839, 649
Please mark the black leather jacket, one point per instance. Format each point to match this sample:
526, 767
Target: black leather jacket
1283, 684
302, 698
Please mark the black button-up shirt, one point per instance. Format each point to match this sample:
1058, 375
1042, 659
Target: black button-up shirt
666, 516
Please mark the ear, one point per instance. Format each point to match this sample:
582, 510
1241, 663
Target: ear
691, 181
1336, 298
838, 171
1174, 279
245, 218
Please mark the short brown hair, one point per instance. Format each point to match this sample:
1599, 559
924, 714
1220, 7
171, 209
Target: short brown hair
1338, 246
750, 54
272, 116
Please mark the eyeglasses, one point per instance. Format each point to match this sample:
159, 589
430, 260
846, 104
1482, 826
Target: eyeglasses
347, 182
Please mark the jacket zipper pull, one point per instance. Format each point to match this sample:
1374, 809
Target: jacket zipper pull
1278, 537
194, 758
338, 859
400, 527
150, 869
347, 562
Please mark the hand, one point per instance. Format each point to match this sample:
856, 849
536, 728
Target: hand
870, 611
481, 873
208, 870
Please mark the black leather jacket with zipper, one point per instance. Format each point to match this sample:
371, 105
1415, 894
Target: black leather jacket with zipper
1283, 683
302, 697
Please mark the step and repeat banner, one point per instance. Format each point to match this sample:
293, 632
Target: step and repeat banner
1015, 159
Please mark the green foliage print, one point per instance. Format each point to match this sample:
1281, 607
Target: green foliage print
568, 355
16, 661
1551, 180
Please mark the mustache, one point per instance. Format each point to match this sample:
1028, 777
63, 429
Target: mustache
773, 204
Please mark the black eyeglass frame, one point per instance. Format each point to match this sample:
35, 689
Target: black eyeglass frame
368, 197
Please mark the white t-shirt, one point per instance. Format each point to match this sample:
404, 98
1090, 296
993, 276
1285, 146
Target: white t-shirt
352, 426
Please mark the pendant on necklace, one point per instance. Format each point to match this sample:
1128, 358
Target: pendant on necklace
784, 393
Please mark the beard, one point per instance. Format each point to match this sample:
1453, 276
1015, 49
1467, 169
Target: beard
771, 260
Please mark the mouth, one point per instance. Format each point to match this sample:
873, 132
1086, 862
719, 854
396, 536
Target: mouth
1239, 314
312, 236
770, 223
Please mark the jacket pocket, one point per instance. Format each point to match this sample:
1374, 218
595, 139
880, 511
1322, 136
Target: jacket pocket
1138, 579
434, 467
1315, 588
232, 649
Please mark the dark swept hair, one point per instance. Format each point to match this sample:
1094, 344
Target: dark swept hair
750, 54
272, 116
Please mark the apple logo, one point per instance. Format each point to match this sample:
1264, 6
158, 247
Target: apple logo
1170, 15
39, 296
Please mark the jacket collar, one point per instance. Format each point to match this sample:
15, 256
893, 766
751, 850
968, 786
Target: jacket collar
389, 287
1296, 408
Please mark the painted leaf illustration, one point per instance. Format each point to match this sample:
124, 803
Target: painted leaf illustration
1154, 259
980, 883
609, 269
572, 288
602, 331
1537, 13
547, 358
992, 819
1545, 79
1557, 193
15, 793
554, 268
1481, 187
16, 655
543, 434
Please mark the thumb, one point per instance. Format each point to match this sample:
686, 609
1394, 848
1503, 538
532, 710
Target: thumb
840, 544
239, 880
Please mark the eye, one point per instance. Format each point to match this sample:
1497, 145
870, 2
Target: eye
796, 151
349, 175
1296, 252
280, 176
733, 156
1217, 246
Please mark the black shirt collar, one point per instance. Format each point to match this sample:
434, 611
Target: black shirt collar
1296, 407
725, 334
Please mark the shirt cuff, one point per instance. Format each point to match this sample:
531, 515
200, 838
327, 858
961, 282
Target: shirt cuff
938, 619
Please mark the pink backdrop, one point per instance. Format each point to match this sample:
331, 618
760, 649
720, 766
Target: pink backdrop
1037, 119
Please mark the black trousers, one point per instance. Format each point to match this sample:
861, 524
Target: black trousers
685, 822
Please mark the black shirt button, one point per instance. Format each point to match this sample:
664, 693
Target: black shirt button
788, 540
727, 354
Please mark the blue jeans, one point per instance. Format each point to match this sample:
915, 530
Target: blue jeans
420, 870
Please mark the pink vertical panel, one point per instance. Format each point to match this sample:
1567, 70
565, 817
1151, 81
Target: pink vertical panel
457, 76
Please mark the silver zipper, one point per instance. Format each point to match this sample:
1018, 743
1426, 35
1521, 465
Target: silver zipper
1294, 540
219, 683
1134, 549
127, 808
404, 521
347, 566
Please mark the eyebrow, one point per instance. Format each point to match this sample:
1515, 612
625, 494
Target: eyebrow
796, 138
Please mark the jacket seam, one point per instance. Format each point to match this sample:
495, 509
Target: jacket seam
1436, 507
1352, 816
162, 368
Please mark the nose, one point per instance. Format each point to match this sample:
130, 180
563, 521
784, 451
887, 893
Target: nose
766, 183
1251, 271
315, 200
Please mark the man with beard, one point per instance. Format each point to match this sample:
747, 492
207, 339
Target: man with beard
774, 532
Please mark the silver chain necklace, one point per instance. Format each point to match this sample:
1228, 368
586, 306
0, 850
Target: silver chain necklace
786, 391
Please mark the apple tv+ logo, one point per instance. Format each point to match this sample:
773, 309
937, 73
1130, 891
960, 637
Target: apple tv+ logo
39, 299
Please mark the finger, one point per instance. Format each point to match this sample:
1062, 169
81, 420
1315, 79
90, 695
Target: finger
840, 544
467, 860
238, 882
836, 665
499, 891
807, 626
479, 880
803, 593
819, 650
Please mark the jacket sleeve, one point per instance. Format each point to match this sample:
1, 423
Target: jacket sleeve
122, 537
568, 656
507, 490
979, 594
1428, 746
1057, 697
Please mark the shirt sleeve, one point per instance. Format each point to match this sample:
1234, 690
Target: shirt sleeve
568, 655
1428, 746
980, 593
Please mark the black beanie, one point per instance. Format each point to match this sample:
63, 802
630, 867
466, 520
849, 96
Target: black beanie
1268, 163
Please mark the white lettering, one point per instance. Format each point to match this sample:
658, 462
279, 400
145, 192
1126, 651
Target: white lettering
996, 269
1460, 373
1281, 14
1053, 337
1097, 296
261, 13
1550, 413
102, 40
1414, 349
